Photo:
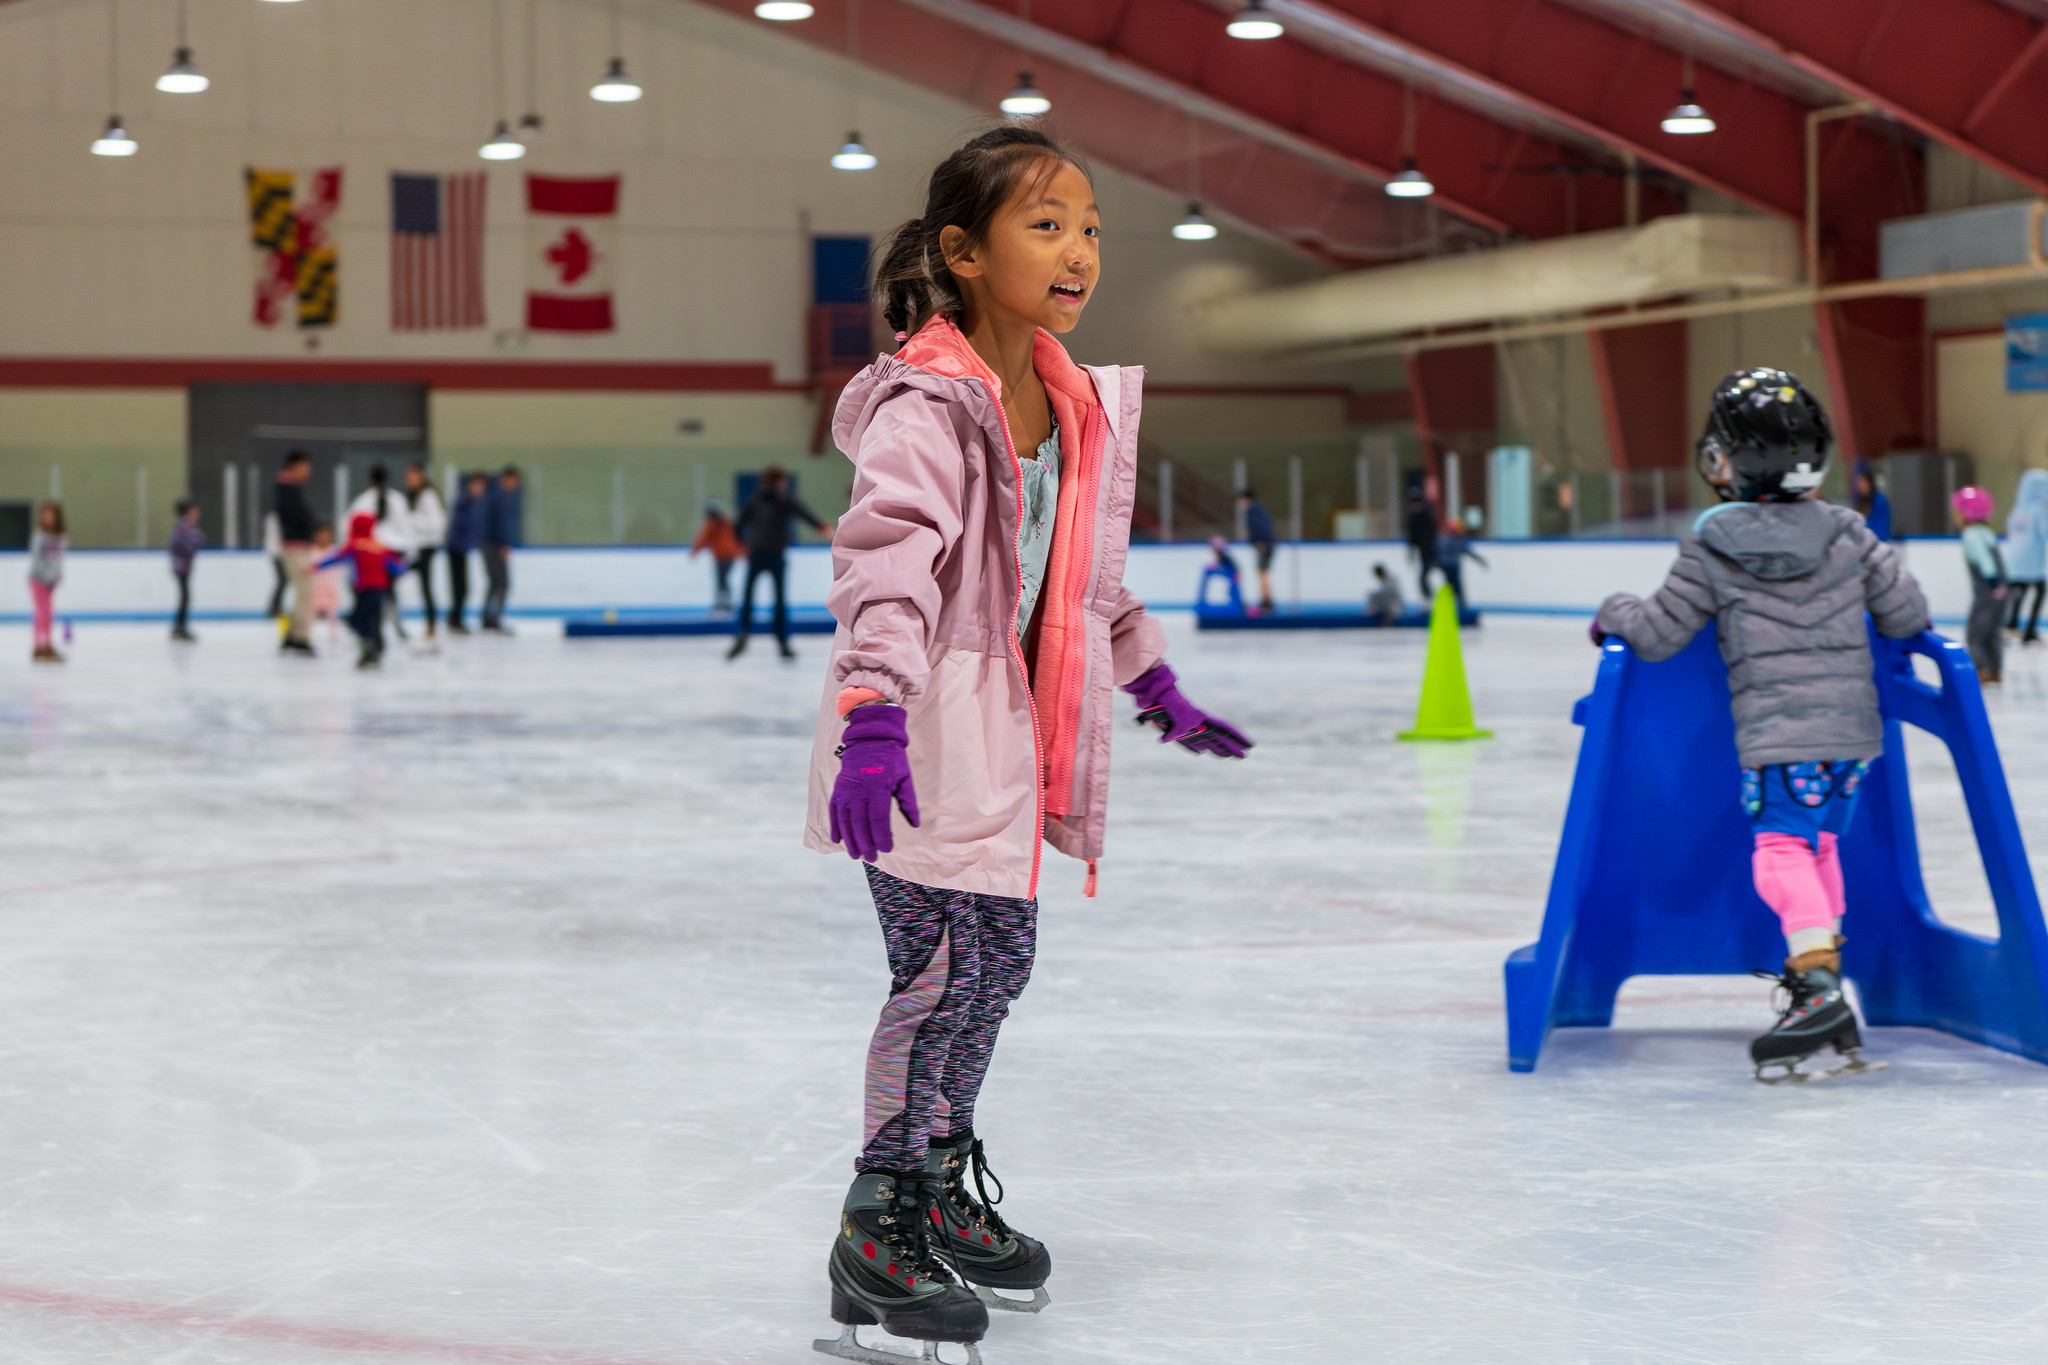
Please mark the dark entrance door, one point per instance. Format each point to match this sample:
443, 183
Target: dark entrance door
249, 428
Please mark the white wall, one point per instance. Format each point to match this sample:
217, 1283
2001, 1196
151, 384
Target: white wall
1563, 577
724, 162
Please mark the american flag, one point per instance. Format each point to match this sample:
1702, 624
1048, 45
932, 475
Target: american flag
437, 251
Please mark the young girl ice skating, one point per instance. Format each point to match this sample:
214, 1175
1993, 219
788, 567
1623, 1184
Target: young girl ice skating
1984, 632
45, 572
978, 584
1787, 580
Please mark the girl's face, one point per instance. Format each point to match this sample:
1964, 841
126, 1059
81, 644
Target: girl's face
1043, 252
48, 518
323, 537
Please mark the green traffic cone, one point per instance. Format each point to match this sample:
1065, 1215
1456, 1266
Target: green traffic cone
1446, 708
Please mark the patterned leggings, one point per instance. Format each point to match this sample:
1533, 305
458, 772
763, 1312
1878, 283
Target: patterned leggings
956, 961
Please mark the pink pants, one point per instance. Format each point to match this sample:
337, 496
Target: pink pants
45, 596
1803, 886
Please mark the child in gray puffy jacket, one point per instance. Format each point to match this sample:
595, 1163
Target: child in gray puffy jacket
1787, 579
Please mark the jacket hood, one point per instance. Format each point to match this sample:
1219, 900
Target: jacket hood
362, 525
938, 358
1773, 541
2033, 494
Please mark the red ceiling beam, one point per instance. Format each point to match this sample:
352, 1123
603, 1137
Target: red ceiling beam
1311, 197
1949, 71
1338, 103
1545, 70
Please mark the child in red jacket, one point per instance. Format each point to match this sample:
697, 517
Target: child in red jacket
372, 567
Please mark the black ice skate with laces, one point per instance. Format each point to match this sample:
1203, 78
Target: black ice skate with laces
989, 1253
885, 1270
1815, 1015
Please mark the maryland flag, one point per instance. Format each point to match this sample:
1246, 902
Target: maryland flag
295, 259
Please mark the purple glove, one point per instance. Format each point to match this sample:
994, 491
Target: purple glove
874, 769
1595, 634
1160, 703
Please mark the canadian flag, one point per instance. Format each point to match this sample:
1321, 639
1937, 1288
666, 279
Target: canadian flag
571, 236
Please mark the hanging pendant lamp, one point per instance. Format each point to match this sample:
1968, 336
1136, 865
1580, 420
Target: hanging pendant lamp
115, 141
502, 146
181, 77
853, 156
783, 11
1254, 22
1027, 100
616, 87
1194, 227
1410, 182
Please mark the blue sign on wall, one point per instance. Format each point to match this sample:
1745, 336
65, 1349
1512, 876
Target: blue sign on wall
2026, 352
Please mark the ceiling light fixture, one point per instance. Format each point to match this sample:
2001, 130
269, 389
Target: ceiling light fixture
1254, 22
181, 77
1027, 100
1409, 182
616, 87
1194, 227
115, 140
1688, 117
853, 156
783, 11
502, 146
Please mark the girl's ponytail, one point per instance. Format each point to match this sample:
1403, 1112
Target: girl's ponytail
913, 279
967, 191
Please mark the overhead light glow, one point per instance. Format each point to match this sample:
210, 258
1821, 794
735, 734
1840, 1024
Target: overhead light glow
1027, 100
853, 156
1688, 117
783, 11
1410, 182
616, 87
115, 141
502, 146
1253, 22
1194, 227
182, 77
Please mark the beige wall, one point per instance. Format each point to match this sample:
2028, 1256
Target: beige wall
724, 163
2004, 432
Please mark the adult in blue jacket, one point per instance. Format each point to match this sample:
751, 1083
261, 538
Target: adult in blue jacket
503, 531
465, 535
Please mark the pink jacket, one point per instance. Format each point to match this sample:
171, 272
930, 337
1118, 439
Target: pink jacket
925, 588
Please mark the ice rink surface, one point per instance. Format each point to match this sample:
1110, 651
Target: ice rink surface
489, 1010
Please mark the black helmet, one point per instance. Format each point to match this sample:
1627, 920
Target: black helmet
1767, 438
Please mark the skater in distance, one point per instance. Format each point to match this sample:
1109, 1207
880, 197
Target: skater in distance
983, 622
1787, 579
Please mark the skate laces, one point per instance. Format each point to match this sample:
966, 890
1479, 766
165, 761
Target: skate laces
1795, 987
914, 1204
986, 1207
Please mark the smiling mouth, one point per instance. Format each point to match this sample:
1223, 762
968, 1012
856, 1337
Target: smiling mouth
1069, 291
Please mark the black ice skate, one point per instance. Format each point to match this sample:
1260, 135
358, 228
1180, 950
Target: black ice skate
1815, 1015
886, 1271
989, 1254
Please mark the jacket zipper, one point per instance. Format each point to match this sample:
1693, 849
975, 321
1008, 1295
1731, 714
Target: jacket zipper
1076, 663
1017, 653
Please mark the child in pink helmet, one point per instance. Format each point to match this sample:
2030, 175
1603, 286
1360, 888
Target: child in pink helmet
1986, 639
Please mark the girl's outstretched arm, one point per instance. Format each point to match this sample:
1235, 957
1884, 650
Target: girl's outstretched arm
1664, 624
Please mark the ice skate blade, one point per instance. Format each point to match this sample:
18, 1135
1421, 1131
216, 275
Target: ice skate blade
1038, 1300
847, 1346
1851, 1065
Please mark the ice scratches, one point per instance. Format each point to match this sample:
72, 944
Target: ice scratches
521, 1156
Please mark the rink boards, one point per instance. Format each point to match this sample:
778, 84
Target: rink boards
802, 621
1321, 618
